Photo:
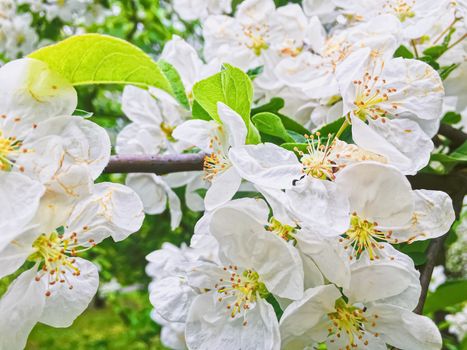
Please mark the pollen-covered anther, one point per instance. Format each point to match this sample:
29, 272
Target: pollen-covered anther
54, 252
10, 149
242, 287
316, 161
363, 235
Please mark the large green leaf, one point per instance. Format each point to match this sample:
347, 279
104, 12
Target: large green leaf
101, 59
448, 294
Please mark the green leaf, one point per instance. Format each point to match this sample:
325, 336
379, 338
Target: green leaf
254, 72
175, 81
431, 61
101, 59
273, 106
333, 127
445, 71
435, 51
201, 192
404, 52
292, 125
82, 113
448, 294
296, 136
199, 112
232, 87
459, 155
271, 124
451, 118
292, 146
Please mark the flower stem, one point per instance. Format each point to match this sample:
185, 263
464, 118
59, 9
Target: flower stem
344, 126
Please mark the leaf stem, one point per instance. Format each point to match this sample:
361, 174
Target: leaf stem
414, 45
344, 126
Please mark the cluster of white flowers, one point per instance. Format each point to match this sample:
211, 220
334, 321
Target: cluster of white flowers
458, 323
16, 34
307, 258
51, 209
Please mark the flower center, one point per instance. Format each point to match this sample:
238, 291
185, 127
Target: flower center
56, 254
316, 162
257, 41
370, 92
9, 147
216, 162
168, 129
285, 232
241, 289
347, 319
363, 235
402, 9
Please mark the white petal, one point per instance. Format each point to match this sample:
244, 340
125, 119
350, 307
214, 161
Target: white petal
62, 142
223, 188
64, 305
432, 217
198, 133
377, 192
140, 107
419, 88
140, 139
266, 165
278, 202
172, 298
409, 140
246, 243
15, 253
405, 330
150, 191
209, 326
233, 123
19, 198
33, 92
20, 309
379, 279
408, 299
113, 210
302, 316
320, 205
328, 256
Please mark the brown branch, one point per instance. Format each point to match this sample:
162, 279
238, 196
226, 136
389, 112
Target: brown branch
457, 137
155, 164
455, 185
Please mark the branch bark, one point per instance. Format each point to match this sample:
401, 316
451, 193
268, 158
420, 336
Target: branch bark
455, 185
457, 137
159, 165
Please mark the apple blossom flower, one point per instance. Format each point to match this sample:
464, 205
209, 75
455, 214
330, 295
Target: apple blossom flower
367, 315
416, 16
384, 208
40, 140
401, 99
233, 310
216, 140
269, 165
257, 27
60, 285
458, 323
191, 10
